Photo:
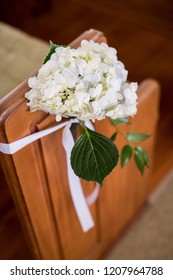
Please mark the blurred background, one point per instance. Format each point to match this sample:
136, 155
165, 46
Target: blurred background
142, 33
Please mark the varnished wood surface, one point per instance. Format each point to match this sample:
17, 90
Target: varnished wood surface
142, 32
44, 203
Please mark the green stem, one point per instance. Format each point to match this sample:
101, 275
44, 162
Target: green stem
85, 128
119, 131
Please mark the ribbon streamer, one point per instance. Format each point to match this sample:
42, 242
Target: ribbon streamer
23, 142
80, 202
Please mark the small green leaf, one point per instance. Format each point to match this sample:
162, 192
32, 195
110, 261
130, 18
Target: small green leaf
120, 121
144, 154
113, 137
126, 154
52, 50
93, 156
136, 136
139, 161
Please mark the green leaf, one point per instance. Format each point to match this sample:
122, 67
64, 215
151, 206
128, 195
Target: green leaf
126, 154
144, 155
93, 156
52, 50
139, 161
120, 121
113, 137
136, 136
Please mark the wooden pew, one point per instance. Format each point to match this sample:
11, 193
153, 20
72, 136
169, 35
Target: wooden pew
37, 178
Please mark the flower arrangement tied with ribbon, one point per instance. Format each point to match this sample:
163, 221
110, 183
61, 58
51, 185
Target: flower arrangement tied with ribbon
84, 85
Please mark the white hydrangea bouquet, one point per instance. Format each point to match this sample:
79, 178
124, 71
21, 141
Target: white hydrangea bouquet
89, 83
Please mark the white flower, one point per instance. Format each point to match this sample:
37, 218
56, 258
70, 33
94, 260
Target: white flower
88, 83
95, 92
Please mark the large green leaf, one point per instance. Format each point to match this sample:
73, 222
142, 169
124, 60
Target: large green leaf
93, 156
126, 154
136, 136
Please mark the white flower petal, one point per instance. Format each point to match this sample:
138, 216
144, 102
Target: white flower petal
88, 82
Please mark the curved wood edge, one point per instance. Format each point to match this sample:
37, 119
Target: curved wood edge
147, 86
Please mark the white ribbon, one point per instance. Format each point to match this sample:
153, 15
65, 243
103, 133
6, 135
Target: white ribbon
80, 202
21, 143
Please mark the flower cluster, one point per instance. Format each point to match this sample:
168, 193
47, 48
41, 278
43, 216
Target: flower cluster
88, 83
